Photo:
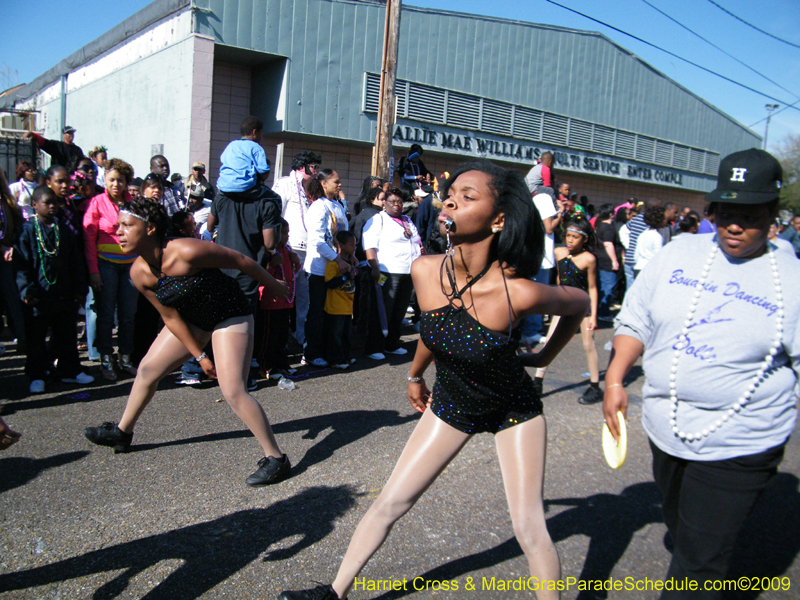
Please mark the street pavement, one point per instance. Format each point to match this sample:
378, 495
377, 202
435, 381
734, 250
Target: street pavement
174, 520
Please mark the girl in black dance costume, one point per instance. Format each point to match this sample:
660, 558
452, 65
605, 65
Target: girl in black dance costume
482, 291
181, 277
577, 267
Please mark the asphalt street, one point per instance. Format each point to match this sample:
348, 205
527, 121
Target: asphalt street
174, 520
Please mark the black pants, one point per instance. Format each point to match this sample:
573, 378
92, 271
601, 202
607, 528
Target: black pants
396, 293
315, 319
337, 338
705, 506
63, 322
272, 335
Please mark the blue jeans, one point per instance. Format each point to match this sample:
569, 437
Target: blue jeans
608, 279
629, 277
117, 294
91, 326
533, 324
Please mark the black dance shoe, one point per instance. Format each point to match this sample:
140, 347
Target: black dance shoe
321, 592
108, 434
270, 470
592, 395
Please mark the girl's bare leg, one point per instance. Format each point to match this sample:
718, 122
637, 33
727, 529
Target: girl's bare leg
432, 445
165, 354
521, 450
232, 341
587, 336
540, 373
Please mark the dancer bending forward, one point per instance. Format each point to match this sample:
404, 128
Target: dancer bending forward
481, 291
182, 278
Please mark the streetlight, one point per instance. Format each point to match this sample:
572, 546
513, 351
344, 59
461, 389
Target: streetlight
770, 108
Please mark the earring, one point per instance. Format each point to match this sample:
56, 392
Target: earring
496, 230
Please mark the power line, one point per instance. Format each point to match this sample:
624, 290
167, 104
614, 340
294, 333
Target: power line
755, 91
723, 9
777, 112
718, 48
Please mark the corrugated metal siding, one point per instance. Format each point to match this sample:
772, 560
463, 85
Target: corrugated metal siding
330, 43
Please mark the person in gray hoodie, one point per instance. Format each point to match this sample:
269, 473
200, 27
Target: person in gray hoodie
717, 320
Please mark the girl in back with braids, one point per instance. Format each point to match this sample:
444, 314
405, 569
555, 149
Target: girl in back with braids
181, 277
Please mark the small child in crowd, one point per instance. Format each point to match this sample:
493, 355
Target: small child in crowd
339, 302
274, 315
51, 278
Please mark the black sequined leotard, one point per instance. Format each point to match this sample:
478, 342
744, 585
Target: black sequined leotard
204, 299
481, 384
569, 274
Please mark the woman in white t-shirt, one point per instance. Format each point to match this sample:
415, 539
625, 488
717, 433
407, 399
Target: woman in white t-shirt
391, 243
650, 241
23, 187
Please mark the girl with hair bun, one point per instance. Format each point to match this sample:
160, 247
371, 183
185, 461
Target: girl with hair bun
472, 300
182, 278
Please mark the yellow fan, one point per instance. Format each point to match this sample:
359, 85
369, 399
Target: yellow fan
615, 452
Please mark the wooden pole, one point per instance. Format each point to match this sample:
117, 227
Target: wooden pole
386, 107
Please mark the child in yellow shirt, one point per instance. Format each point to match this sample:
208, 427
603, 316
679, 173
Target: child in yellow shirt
339, 302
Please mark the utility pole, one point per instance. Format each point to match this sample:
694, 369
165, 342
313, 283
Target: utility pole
382, 153
770, 108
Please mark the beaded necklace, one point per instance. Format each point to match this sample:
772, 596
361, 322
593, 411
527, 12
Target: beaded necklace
294, 285
43, 250
3, 223
683, 342
301, 200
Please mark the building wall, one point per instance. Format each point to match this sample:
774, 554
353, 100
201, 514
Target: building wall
134, 97
331, 43
230, 104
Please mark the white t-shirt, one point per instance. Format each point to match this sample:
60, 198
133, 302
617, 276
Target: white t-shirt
649, 243
295, 208
395, 251
544, 204
22, 191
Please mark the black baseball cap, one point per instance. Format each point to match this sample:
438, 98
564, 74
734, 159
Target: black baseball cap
68, 129
748, 177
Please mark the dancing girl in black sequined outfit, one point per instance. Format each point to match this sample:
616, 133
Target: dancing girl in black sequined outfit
182, 279
472, 299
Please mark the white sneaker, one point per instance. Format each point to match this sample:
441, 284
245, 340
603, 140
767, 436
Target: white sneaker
398, 351
37, 386
81, 378
376, 356
317, 362
534, 339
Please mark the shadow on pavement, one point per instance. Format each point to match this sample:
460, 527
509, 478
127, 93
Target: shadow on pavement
346, 427
609, 521
210, 552
19, 470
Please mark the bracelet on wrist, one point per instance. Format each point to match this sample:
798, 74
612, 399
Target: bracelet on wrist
202, 356
414, 379
608, 387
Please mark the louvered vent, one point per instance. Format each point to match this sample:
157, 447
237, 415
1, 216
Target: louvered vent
425, 103
497, 117
663, 153
603, 140
555, 129
580, 134
528, 123
645, 147
696, 160
712, 163
463, 111
626, 143
372, 93
401, 91
680, 158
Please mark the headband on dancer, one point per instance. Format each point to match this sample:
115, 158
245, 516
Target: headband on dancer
574, 230
127, 212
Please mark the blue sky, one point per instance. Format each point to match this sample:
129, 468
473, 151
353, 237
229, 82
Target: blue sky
38, 34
